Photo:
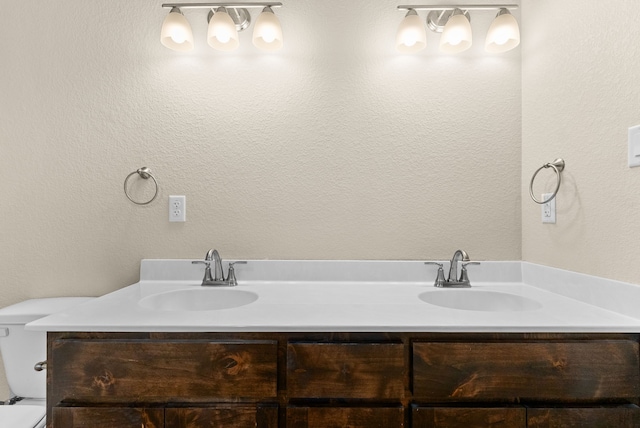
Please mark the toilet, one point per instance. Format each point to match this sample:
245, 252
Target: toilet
21, 350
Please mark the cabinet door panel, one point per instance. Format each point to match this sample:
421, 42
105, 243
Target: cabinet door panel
345, 370
163, 371
462, 417
121, 417
341, 417
596, 417
223, 416
535, 371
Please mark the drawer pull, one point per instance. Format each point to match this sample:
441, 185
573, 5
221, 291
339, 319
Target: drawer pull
42, 365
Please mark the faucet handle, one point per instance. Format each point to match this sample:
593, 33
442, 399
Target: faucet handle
231, 275
204, 262
434, 263
464, 276
469, 263
439, 282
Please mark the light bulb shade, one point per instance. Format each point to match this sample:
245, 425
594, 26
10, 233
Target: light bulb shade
176, 32
456, 36
503, 34
267, 32
222, 33
411, 36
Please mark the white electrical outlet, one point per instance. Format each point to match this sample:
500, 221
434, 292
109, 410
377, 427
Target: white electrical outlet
548, 209
177, 208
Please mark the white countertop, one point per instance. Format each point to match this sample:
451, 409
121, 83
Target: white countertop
307, 296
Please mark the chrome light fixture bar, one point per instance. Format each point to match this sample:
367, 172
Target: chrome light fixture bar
225, 20
463, 7
216, 5
454, 22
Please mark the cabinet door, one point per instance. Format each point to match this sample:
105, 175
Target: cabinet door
345, 417
469, 417
595, 417
117, 371
346, 370
228, 416
556, 371
121, 417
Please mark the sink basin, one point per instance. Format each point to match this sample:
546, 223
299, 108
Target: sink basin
198, 299
478, 300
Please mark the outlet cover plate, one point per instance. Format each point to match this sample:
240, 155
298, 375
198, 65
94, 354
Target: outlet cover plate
634, 146
177, 208
548, 209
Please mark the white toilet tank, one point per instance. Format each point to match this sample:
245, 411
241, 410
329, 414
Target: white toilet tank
22, 349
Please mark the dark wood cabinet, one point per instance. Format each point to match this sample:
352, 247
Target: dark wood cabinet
469, 417
345, 370
586, 417
229, 416
523, 371
163, 370
121, 417
522, 416
223, 415
368, 380
345, 417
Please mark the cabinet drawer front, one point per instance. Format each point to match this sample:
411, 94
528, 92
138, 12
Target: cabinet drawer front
512, 371
345, 370
463, 417
121, 417
340, 417
597, 417
222, 416
158, 371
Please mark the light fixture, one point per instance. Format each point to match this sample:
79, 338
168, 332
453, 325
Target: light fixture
267, 33
454, 22
222, 33
176, 32
504, 33
456, 35
411, 36
224, 25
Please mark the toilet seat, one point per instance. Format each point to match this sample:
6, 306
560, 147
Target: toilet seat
22, 416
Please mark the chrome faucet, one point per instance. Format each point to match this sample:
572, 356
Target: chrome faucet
460, 257
217, 279
218, 274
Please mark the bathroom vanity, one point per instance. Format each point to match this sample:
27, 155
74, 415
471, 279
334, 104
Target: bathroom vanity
343, 380
327, 344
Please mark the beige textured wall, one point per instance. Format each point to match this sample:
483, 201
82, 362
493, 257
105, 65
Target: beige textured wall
335, 148
580, 93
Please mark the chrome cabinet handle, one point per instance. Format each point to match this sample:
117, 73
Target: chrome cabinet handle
42, 365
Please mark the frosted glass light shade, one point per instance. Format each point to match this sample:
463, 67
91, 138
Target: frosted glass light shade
267, 32
176, 32
411, 36
503, 34
456, 36
222, 33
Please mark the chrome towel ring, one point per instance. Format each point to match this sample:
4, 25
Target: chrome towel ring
558, 167
145, 173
